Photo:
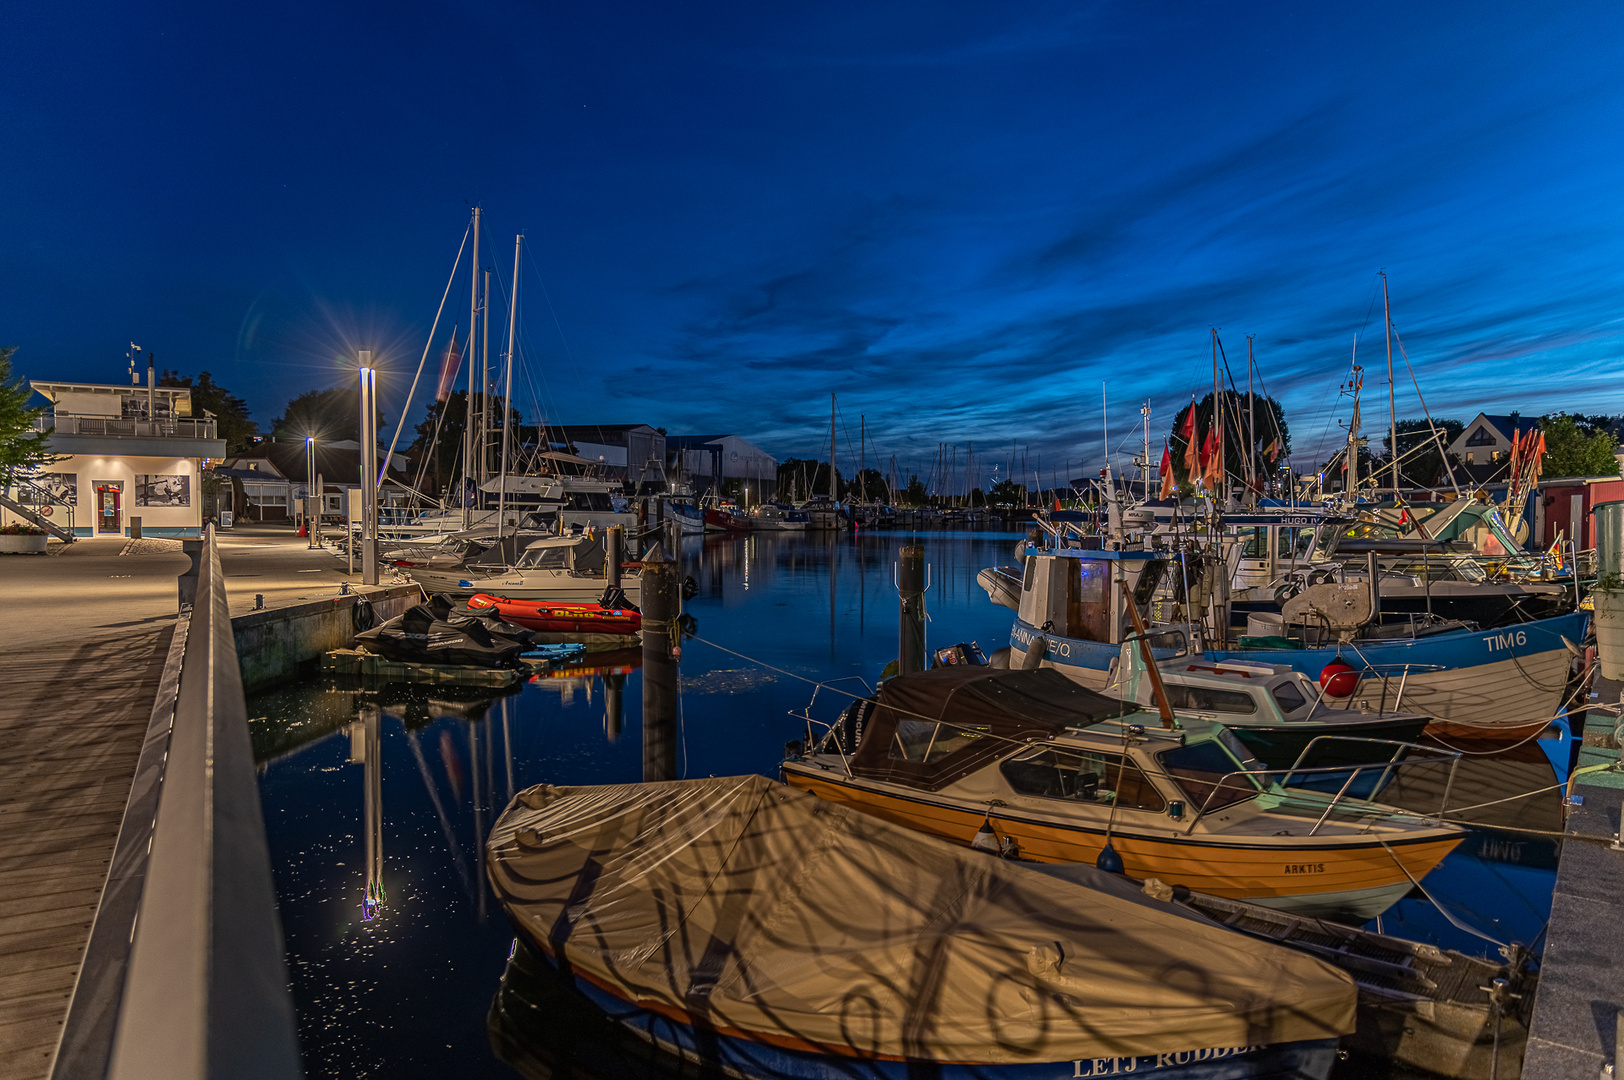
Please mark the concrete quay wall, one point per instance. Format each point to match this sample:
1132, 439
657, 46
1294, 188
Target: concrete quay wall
272, 643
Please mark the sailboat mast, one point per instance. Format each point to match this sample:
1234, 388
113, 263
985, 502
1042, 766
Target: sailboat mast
834, 496
484, 385
862, 456
507, 390
1251, 421
468, 402
1392, 409
1217, 416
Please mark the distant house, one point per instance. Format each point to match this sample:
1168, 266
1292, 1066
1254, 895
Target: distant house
634, 452
273, 476
713, 460
1484, 445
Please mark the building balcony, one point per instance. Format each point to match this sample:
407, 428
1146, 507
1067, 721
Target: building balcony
179, 436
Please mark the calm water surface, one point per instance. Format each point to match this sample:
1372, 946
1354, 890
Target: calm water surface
395, 971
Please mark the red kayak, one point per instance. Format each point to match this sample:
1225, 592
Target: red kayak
568, 618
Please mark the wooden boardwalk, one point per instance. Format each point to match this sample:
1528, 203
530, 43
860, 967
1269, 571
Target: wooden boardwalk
73, 713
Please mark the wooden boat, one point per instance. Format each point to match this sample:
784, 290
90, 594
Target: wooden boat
1032, 763
765, 933
553, 617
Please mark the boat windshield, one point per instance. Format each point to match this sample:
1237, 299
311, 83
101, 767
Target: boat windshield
546, 557
1084, 776
1201, 769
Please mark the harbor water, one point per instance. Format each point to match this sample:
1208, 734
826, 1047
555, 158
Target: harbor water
377, 801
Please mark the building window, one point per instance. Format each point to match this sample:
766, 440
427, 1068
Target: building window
1469, 457
1483, 437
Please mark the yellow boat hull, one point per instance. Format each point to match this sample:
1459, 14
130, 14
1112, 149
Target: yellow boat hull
1344, 877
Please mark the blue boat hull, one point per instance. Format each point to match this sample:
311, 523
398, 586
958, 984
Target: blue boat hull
1490, 682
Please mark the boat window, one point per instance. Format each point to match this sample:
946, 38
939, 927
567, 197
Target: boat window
550, 557
1210, 699
1081, 775
1203, 770
1288, 697
1150, 578
1257, 543
1029, 573
925, 740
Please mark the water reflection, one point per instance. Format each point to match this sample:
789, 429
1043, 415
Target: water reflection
401, 982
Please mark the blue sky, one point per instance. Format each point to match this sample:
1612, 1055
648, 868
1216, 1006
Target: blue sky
961, 218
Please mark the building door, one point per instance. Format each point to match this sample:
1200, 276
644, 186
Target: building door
109, 507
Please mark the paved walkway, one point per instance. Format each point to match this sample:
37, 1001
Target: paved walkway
84, 634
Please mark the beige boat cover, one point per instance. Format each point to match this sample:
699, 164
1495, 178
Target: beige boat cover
743, 905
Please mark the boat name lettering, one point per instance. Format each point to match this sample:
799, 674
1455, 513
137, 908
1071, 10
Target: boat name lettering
1507, 640
1305, 868
1121, 1066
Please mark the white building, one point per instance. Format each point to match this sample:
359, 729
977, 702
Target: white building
126, 452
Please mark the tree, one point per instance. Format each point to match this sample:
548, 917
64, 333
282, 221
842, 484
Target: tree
915, 493
869, 484
1421, 461
1272, 431
1570, 450
230, 411
22, 448
442, 455
1007, 493
330, 415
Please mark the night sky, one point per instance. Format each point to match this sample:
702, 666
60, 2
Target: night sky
962, 218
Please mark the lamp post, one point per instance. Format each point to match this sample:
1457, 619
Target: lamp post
369, 471
312, 494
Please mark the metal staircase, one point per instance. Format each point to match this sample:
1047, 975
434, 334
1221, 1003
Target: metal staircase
41, 497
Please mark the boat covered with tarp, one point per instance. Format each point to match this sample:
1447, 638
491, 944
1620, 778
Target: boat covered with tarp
432, 634
740, 922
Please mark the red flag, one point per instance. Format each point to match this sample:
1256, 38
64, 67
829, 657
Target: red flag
1191, 467
1273, 451
1169, 481
448, 368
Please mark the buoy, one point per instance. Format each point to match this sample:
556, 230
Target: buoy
1338, 679
986, 840
1109, 860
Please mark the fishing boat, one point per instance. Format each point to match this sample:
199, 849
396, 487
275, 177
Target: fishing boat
725, 517
688, 516
1030, 763
1505, 683
765, 933
561, 618
562, 569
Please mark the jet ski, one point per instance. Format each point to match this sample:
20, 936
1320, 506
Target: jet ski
421, 636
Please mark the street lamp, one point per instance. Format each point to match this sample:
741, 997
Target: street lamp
369, 471
312, 495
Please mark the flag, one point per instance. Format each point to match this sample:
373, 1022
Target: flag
1272, 452
1169, 481
1191, 468
448, 368
1212, 469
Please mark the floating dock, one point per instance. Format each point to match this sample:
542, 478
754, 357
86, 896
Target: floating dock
358, 664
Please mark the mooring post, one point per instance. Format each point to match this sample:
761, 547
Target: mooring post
662, 604
911, 593
614, 543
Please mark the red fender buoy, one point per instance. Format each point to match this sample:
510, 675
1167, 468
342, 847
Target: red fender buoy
1338, 679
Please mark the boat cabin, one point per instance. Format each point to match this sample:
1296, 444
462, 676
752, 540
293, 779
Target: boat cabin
1073, 593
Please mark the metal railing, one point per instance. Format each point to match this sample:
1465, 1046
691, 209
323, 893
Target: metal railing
199, 988
1255, 781
179, 427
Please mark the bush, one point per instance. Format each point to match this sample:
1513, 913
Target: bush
19, 529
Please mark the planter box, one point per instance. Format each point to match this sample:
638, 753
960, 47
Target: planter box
23, 545
1609, 622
